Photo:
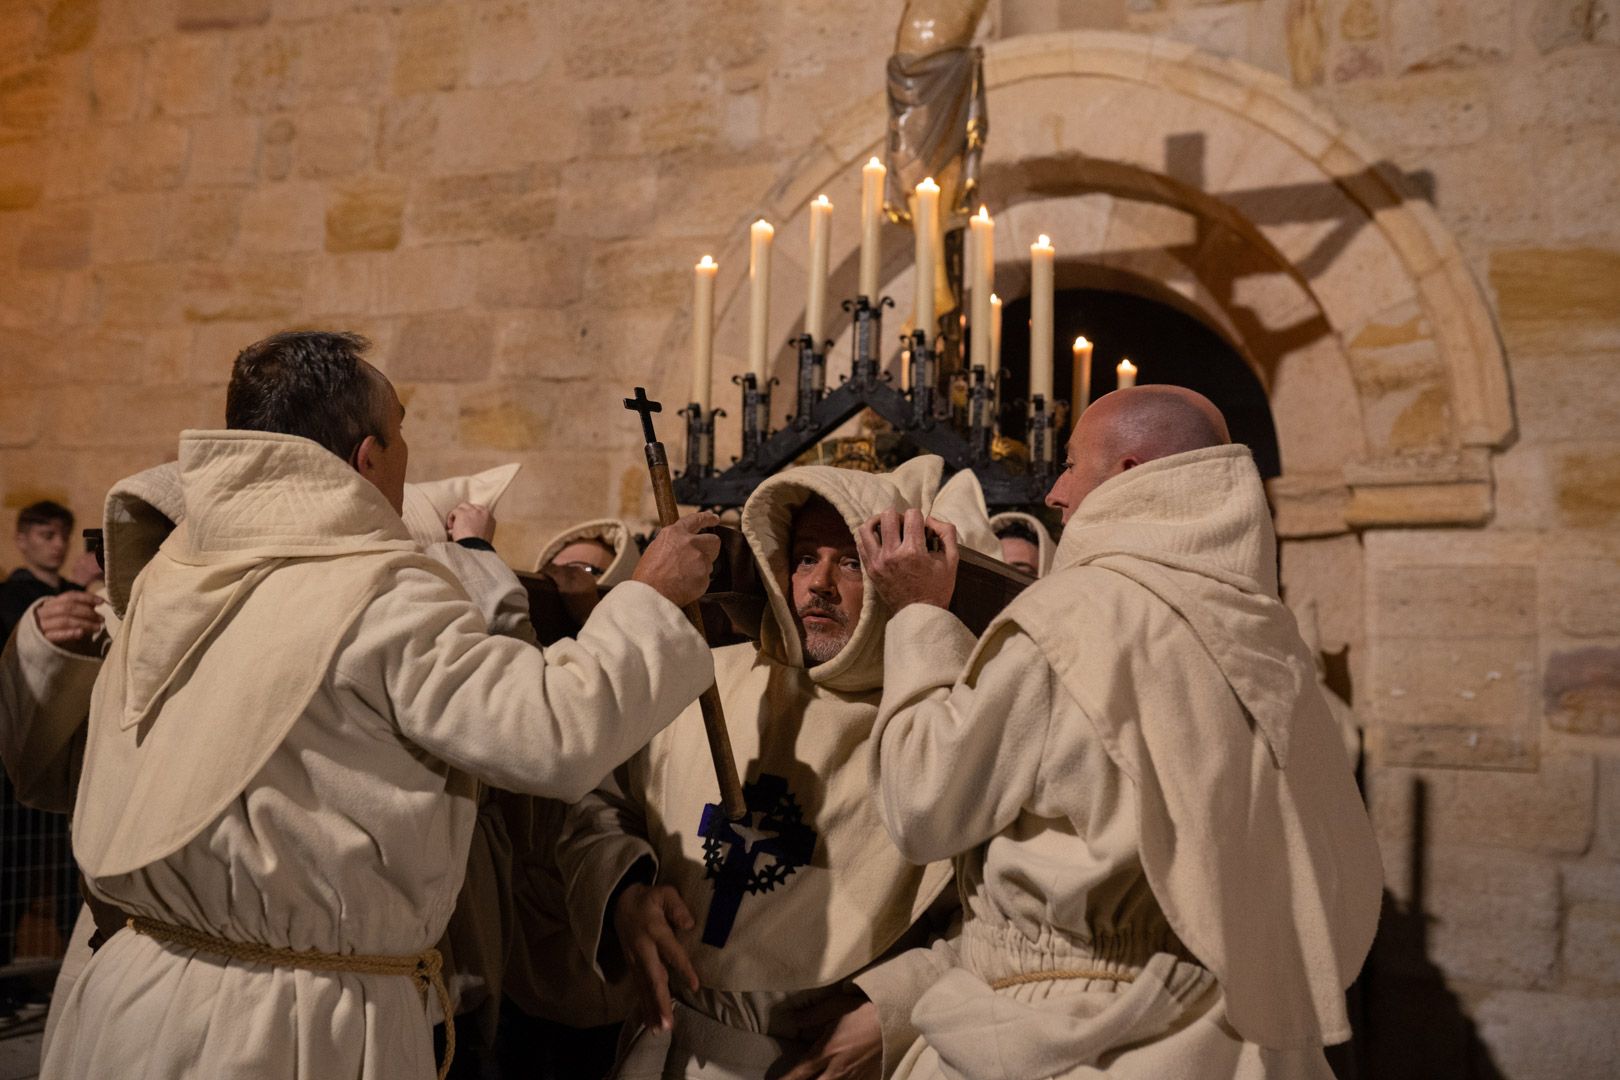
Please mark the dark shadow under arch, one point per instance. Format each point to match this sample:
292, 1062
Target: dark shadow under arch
1164, 342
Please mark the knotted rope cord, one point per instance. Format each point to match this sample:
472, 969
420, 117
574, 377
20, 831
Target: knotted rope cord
1060, 975
426, 969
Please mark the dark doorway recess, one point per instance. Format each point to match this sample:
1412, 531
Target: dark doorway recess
1167, 346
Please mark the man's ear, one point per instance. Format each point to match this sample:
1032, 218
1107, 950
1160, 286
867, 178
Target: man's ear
365, 457
1128, 463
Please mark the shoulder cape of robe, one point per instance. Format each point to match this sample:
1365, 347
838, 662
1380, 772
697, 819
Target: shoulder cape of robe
1253, 835
229, 585
809, 726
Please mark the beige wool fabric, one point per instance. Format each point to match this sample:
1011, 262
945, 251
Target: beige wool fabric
1155, 792
960, 501
844, 925
351, 834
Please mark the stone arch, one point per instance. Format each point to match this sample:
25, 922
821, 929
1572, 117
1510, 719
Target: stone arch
1150, 160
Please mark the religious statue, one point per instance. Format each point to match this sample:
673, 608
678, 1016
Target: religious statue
937, 127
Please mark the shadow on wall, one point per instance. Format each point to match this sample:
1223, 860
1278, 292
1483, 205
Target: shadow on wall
1409, 1024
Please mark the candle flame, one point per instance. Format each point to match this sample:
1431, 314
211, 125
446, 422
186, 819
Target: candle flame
984, 212
707, 262
765, 227
1081, 342
874, 163
928, 184
995, 300
1043, 241
1126, 366
821, 200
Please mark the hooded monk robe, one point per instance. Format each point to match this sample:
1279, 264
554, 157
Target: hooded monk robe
1167, 866
45, 689
282, 750
843, 925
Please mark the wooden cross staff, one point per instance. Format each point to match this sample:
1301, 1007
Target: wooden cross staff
714, 717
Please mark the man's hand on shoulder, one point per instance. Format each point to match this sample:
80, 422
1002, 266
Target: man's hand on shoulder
69, 620
894, 553
468, 522
852, 1049
645, 918
678, 561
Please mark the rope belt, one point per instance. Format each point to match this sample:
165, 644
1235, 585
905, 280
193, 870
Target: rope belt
426, 969
1062, 975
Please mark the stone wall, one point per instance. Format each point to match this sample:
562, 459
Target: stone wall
507, 197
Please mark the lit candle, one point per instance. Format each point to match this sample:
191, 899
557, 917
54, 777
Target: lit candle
925, 226
1041, 256
1082, 376
703, 275
982, 271
815, 305
872, 177
1127, 374
995, 333
759, 297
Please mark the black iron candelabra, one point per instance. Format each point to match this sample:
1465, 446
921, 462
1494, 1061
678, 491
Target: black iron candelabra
917, 413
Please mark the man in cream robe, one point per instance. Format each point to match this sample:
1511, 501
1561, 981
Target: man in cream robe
48, 671
285, 742
837, 928
1167, 869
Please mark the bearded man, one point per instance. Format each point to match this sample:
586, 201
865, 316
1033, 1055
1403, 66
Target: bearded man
793, 944
1167, 868
281, 764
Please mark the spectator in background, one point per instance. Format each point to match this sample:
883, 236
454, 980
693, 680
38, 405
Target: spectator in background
44, 532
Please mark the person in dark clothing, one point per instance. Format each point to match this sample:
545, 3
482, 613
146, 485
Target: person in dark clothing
44, 531
36, 868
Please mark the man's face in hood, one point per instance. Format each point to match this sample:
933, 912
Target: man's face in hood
825, 582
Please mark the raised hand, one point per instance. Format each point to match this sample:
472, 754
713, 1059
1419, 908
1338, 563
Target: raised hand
646, 918
69, 620
467, 521
678, 561
894, 553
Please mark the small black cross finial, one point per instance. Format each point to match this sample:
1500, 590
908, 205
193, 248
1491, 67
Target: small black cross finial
644, 405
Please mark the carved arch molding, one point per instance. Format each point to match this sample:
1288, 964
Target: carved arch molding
1212, 185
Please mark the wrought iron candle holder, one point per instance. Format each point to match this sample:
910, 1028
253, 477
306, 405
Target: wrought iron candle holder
700, 440
1041, 438
812, 377
915, 414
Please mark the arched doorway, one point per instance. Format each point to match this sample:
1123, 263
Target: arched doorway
1166, 343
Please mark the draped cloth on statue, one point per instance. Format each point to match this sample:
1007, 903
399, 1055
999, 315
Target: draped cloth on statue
937, 123
1164, 811
351, 835
836, 907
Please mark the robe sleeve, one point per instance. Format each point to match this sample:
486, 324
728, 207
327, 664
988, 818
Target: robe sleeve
603, 838
44, 704
896, 983
957, 758
493, 587
550, 721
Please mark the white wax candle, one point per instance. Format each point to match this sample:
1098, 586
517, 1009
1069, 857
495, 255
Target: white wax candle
703, 275
995, 333
1041, 256
815, 305
1082, 376
981, 272
925, 227
872, 178
759, 297
1127, 374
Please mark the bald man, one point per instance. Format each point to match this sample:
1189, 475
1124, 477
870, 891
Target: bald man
1167, 868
